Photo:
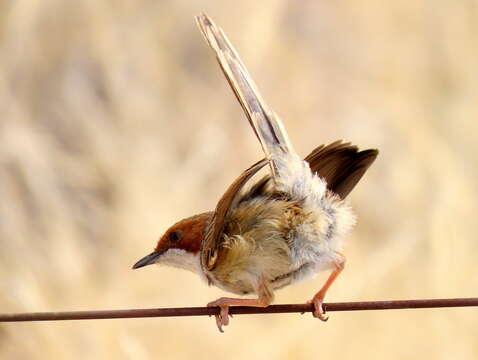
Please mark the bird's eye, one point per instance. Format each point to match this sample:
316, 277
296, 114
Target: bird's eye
175, 236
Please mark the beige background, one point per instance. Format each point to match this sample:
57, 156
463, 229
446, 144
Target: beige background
115, 122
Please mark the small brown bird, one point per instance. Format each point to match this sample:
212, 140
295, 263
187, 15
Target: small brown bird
285, 227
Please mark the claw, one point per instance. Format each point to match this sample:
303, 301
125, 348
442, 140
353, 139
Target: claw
219, 323
319, 311
222, 319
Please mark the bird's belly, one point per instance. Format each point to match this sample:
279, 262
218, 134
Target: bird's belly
313, 251
303, 272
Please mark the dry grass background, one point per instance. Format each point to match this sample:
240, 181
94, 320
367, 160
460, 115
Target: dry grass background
116, 121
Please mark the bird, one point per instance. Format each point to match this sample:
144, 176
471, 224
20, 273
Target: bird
275, 231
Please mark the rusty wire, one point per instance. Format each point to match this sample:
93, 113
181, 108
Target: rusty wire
272, 309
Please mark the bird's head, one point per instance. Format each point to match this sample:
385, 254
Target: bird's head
180, 245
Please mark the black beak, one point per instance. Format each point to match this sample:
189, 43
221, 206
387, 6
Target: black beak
148, 259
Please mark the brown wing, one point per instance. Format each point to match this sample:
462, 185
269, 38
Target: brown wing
341, 165
213, 238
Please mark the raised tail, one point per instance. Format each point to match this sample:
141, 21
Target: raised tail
265, 123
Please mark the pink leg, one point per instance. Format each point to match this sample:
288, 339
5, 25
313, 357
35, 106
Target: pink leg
264, 299
318, 298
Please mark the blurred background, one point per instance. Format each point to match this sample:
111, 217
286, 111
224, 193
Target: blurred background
115, 122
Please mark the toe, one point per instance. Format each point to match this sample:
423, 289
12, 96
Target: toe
321, 316
212, 304
222, 319
319, 311
225, 315
219, 323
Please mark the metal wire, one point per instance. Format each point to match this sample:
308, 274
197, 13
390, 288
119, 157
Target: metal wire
272, 309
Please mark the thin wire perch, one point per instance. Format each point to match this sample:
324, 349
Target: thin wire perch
272, 309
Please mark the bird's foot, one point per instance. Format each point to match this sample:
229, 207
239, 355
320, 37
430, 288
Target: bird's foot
222, 319
319, 311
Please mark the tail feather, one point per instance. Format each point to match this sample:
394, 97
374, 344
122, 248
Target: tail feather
266, 124
340, 165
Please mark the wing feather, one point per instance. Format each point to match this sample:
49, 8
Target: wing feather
213, 238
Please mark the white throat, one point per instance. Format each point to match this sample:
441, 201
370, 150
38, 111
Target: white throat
182, 259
